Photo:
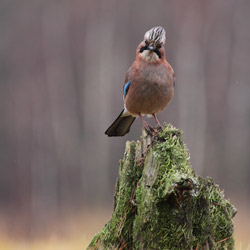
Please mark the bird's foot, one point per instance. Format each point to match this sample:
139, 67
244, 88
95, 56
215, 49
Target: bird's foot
148, 127
158, 128
157, 122
150, 130
154, 131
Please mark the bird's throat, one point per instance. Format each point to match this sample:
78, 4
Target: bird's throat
149, 56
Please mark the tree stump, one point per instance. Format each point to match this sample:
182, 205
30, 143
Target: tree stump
160, 203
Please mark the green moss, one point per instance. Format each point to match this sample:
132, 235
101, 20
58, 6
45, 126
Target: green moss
161, 204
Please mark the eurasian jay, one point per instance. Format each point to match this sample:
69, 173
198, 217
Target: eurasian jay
149, 84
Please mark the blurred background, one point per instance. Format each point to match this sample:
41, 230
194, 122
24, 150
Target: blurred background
62, 66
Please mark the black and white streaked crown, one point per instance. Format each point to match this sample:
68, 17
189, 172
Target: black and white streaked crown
156, 35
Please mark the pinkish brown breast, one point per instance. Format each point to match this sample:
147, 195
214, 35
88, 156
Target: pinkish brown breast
151, 89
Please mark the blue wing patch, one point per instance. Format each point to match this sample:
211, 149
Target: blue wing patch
126, 87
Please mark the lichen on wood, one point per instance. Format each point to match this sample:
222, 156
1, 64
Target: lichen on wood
160, 203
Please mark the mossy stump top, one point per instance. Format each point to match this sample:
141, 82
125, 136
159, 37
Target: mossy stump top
160, 203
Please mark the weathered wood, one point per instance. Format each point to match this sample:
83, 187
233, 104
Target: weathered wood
160, 203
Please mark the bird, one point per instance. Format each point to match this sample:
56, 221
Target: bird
149, 84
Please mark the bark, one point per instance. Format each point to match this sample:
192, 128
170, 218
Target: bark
160, 203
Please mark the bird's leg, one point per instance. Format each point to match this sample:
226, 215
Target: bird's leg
145, 124
157, 121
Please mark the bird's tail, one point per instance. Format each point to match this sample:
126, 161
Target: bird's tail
121, 125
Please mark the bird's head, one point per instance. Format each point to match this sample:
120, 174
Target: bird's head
151, 49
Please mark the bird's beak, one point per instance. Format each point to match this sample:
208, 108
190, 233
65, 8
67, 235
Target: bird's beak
151, 48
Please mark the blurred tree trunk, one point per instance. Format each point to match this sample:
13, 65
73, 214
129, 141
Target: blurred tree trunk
160, 203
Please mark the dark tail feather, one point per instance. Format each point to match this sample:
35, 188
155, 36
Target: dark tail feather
120, 126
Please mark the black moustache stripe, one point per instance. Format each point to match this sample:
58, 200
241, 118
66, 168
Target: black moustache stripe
155, 50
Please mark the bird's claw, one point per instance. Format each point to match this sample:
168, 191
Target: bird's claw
148, 127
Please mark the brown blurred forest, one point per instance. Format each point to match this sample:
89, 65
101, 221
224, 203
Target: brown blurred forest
62, 67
